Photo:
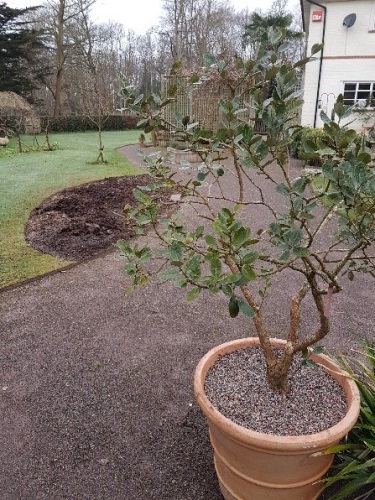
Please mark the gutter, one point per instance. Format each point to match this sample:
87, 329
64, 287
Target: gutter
321, 54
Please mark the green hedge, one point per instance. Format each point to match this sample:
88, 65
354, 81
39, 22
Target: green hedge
307, 134
76, 123
311, 135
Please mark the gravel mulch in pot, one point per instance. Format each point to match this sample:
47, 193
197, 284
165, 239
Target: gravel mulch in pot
237, 386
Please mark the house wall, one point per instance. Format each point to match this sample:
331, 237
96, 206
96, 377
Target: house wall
349, 55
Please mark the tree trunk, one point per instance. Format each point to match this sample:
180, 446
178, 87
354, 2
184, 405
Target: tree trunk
278, 371
101, 157
58, 86
59, 58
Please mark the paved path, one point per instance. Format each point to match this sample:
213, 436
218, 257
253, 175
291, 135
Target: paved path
96, 387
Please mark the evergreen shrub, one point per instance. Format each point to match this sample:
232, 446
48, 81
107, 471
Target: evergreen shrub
79, 123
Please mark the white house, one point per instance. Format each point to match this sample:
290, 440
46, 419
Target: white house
347, 63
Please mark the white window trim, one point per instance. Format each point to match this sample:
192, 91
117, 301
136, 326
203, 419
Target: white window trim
371, 27
356, 100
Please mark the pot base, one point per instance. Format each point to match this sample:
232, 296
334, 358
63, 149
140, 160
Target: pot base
255, 466
265, 491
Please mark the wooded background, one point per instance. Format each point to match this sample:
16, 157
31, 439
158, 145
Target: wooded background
66, 64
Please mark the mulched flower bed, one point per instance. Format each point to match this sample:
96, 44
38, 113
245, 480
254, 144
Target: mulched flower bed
82, 221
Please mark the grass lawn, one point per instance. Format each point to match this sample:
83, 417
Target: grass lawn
26, 179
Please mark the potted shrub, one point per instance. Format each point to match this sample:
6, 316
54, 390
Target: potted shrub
318, 232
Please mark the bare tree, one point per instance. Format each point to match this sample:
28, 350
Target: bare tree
94, 88
188, 30
194, 27
58, 19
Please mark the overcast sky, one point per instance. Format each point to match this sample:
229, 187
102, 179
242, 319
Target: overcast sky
137, 15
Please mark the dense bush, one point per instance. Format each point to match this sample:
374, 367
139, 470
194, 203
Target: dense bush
75, 123
305, 141
303, 133
303, 136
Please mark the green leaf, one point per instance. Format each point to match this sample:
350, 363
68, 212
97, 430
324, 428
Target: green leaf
285, 255
193, 268
181, 283
192, 294
138, 100
215, 264
300, 184
364, 157
246, 309
241, 280
317, 47
310, 363
142, 197
318, 349
240, 236
201, 176
301, 251
324, 117
144, 255
249, 273
234, 307
225, 214
143, 219
271, 73
328, 171
143, 280
199, 231
143, 122
234, 278
302, 62
130, 269
227, 290
274, 35
283, 190
168, 274
175, 252
210, 240
249, 257
293, 236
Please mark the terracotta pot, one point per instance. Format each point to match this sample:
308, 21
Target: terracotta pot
253, 466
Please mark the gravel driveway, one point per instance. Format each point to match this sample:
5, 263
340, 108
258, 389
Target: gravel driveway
96, 395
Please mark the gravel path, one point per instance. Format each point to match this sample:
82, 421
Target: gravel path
96, 395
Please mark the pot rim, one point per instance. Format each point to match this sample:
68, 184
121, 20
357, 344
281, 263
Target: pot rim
315, 442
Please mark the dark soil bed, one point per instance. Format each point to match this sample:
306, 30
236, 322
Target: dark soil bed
82, 221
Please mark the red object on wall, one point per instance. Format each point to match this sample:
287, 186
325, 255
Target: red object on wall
317, 16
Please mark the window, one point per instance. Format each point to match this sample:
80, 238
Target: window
361, 93
371, 27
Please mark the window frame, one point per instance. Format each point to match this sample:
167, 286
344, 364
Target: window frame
355, 100
371, 27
